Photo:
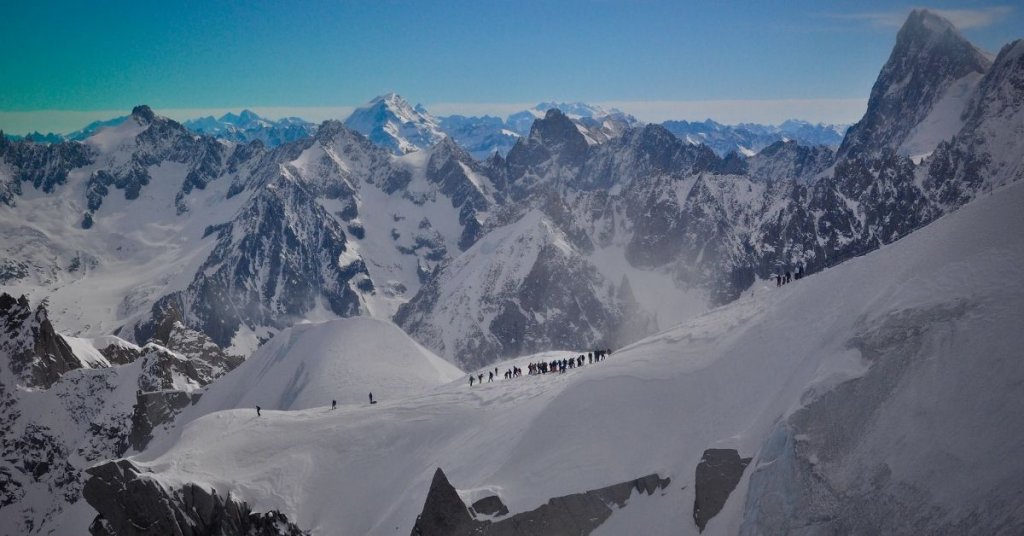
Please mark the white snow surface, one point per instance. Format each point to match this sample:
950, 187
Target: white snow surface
308, 365
725, 379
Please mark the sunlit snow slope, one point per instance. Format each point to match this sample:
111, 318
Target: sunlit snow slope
309, 365
883, 395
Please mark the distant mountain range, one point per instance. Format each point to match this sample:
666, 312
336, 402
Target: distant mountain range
164, 254
392, 122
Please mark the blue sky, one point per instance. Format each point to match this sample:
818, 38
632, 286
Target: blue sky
69, 62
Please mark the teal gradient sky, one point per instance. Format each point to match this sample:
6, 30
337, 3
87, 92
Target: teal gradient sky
325, 57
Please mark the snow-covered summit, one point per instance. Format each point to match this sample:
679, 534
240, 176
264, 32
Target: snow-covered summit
391, 122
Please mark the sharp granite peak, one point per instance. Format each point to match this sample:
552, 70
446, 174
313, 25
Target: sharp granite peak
919, 97
143, 262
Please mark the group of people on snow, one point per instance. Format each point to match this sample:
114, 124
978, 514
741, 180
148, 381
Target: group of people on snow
545, 367
782, 278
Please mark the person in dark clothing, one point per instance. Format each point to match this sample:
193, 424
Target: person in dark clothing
480, 378
788, 276
371, 399
258, 411
490, 377
471, 380
778, 280
334, 404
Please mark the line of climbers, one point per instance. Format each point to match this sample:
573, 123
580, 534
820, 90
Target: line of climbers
786, 277
545, 367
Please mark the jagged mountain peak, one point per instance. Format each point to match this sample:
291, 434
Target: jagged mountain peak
555, 126
143, 114
921, 90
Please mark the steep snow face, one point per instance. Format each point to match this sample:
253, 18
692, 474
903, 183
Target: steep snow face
922, 86
521, 288
391, 122
866, 395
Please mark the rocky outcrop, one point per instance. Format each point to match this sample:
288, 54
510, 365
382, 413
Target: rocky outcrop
718, 473
444, 513
156, 408
171, 374
130, 504
38, 355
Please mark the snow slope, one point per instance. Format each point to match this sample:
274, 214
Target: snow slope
901, 363
308, 365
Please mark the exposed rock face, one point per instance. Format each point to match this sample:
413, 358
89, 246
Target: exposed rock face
38, 355
129, 504
154, 409
718, 473
444, 513
44, 166
270, 264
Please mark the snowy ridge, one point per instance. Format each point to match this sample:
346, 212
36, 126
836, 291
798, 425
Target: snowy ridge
308, 365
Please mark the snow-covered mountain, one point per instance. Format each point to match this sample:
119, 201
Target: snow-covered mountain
750, 138
242, 240
246, 240
391, 122
248, 126
182, 244
856, 400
